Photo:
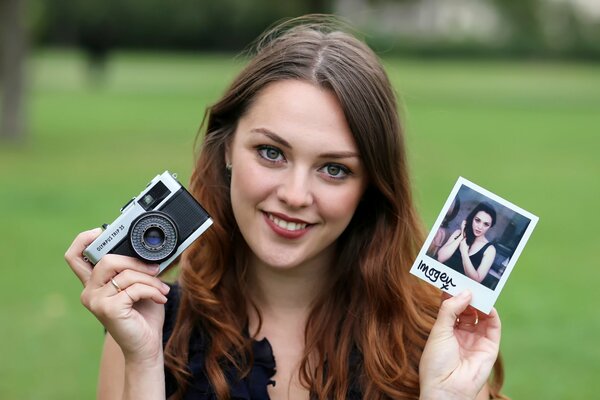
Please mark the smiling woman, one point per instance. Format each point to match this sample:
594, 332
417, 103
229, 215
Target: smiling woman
303, 280
299, 183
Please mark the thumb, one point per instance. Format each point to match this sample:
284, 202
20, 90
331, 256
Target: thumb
452, 308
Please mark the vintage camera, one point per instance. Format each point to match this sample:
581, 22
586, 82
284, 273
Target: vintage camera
156, 226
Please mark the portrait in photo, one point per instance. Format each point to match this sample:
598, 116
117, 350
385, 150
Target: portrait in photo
488, 231
474, 244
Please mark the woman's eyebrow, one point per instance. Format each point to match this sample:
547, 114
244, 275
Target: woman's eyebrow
278, 139
340, 154
273, 136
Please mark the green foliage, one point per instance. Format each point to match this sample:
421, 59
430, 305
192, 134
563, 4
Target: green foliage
533, 28
526, 131
189, 24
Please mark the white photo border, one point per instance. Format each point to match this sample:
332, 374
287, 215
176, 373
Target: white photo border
453, 282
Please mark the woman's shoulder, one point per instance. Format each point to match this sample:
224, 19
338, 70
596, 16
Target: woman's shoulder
489, 247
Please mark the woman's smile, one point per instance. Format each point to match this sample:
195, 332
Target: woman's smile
290, 228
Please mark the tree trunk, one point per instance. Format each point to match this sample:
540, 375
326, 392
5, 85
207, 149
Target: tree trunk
13, 48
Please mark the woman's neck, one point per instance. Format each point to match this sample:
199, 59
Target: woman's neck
289, 291
479, 241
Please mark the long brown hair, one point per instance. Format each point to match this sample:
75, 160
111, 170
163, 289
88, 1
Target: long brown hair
376, 308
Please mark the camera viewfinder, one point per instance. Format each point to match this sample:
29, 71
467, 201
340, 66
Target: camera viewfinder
154, 196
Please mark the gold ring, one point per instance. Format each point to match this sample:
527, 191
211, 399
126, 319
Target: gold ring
469, 323
115, 285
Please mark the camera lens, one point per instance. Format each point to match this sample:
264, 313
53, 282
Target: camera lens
153, 236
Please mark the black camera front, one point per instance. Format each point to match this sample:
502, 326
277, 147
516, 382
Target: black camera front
154, 236
156, 226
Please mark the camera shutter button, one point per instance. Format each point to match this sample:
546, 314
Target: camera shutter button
127, 204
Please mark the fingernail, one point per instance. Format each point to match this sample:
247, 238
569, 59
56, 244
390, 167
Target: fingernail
154, 267
166, 287
464, 293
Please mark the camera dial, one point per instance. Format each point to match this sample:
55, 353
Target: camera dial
153, 236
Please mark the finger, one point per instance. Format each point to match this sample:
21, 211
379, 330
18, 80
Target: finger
445, 296
139, 291
493, 326
452, 308
112, 264
128, 277
74, 256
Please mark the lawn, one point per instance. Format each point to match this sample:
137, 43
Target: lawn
527, 131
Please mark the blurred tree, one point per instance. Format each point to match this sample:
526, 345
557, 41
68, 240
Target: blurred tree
13, 49
525, 21
182, 24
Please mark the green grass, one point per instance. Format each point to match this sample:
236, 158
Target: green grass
527, 131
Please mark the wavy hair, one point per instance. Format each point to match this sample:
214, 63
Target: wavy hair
372, 304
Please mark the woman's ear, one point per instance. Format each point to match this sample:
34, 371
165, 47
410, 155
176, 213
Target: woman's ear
228, 153
228, 166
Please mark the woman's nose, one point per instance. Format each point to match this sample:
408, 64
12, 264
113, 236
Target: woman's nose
295, 190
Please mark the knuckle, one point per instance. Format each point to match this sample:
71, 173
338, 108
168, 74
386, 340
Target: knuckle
126, 274
446, 306
108, 259
84, 298
102, 309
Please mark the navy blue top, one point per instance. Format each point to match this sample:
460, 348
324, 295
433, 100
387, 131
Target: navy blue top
254, 385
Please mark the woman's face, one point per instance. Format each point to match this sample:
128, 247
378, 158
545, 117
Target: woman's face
297, 176
481, 223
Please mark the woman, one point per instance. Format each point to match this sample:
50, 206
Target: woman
468, 250
301, 288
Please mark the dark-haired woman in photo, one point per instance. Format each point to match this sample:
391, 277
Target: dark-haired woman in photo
301, 289
468, 250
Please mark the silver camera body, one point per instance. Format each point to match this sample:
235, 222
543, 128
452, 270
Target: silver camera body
156, 226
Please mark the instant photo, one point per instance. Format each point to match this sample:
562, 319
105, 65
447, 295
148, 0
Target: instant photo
474, 244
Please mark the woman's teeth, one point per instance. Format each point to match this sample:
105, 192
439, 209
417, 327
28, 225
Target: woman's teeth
290, 226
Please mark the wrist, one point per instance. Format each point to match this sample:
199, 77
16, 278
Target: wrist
146, 355
436, 394
144, 379
145, 362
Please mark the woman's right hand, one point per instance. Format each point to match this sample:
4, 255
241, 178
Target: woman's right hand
134, 314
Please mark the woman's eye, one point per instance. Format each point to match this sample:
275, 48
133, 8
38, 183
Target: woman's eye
270, 153
336, 171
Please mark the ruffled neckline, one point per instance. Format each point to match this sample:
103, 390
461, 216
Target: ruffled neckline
254, 386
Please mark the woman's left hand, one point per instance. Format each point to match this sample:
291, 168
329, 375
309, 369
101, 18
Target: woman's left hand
458, 357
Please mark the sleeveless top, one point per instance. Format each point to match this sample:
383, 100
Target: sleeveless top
254, 385
455, 261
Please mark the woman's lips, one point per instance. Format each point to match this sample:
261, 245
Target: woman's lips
290, 228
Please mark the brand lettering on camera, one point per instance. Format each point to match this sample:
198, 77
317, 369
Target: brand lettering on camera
434, 275
110, 238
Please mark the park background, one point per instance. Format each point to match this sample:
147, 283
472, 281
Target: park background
100, 96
